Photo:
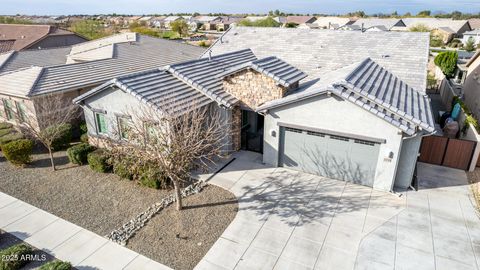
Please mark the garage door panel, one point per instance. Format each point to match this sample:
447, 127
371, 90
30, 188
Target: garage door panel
330, 156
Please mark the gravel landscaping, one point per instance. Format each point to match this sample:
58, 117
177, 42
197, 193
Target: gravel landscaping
104, 202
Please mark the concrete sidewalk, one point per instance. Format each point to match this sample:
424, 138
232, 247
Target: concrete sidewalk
67, 241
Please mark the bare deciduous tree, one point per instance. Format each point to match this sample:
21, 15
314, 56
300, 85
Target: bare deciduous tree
44, 122
175, 143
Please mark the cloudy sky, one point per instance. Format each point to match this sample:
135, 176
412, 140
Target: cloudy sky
57, 7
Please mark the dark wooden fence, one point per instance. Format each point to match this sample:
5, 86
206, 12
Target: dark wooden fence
454, 153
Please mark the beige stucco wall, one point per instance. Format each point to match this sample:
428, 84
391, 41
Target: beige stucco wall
471, 88
335, 114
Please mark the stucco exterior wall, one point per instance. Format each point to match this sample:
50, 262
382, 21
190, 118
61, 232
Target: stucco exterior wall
335, 114
29, 106
408, 159
471, 88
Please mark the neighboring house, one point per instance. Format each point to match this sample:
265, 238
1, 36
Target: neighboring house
355, 111
158, 22
474, 35
74, 70
471, 85
457, 27
301, 19
225, 22
474, 23
208, 23
379, 24
332, 22
20, 37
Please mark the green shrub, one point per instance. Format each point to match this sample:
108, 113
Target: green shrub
18, 152
11, 137
63, 139
83, 127
84, 138
77, 154
124, 168
56, 265
17, 253
4, 125
6, 131
152, 177
98, 161
447, 62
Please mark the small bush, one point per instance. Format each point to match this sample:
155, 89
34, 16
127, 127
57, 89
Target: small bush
4, 125
6, 131
123, 168
56, 265
17, 254
18, 152
447, 62
83, 127
77, 154
98, 161
84, 138
153, 178
64, 138
11, 137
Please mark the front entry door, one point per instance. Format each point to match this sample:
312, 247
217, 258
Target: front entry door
252, 131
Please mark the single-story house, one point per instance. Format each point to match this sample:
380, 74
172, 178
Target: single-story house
301, 19
74, 70
456, 27
474, 35
380, 24
20, 37
331, 22
354, 111
207, 22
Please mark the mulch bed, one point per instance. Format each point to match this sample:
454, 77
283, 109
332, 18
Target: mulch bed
104, 202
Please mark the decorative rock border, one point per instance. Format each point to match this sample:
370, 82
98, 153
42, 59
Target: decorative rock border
122, 235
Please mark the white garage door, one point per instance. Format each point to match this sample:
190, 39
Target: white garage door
329, 155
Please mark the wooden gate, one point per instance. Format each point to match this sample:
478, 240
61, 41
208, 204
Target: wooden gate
447, 152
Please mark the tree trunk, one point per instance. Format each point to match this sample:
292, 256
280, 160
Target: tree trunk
178, 195
51, 158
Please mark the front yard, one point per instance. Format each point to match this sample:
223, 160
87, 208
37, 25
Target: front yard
103, 202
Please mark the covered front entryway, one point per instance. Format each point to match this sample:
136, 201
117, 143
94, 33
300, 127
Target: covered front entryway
334, 156
252, 131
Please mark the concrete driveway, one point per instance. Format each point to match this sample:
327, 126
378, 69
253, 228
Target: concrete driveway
292, 220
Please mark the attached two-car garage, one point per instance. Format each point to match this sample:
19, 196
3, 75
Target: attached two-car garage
331, 155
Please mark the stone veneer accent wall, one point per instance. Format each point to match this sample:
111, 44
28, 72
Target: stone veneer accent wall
252, 88
236, 128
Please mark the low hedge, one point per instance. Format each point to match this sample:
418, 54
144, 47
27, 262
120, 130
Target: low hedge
64, 138
15, 257
4, 125
6, 131
84, 138
124, 168
98, 161
56, 265
78, 154
18, 152
11, 137
151, 177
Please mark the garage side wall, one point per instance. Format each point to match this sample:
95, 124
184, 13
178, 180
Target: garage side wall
335, 114
408, 159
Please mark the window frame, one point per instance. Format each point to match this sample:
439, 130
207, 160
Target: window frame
8, 110
96, 114
127, 120
21, 110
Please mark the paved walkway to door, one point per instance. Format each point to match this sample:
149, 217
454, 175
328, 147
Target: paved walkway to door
66, 241
292, 220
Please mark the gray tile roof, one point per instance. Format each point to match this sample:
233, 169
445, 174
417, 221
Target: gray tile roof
158, 88
41, 58
205, 74
275, 68
317, 52
387, 23
146, 53
19, 82
382, 93
375, 89
457, 26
